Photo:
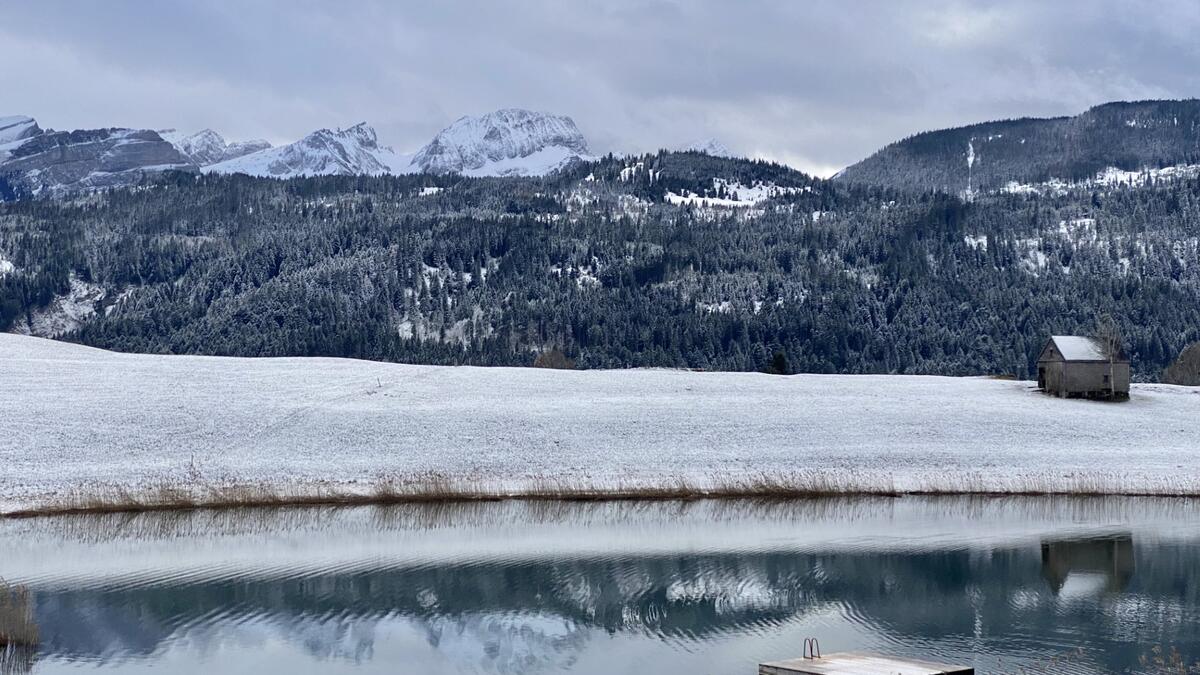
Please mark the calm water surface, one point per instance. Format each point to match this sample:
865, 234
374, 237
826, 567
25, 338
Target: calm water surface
542, 587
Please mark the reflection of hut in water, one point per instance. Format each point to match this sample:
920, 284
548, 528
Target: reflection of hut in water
1110, 556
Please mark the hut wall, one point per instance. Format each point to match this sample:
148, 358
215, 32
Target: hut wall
1084, 377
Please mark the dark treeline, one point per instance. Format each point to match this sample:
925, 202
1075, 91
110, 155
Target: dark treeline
594, 261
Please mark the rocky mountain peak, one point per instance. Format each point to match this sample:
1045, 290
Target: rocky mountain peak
208, 147
470, 144
710, 146
16, 128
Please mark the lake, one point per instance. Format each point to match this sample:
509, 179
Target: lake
1065, 585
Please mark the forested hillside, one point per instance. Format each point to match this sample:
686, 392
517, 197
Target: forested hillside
1126, 135
675, 259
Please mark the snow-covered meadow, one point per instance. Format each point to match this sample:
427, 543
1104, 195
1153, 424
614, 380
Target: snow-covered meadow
77, 421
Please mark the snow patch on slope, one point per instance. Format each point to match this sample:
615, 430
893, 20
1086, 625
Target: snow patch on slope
1107, 178
733, 194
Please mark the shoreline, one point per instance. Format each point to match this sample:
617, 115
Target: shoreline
262, 497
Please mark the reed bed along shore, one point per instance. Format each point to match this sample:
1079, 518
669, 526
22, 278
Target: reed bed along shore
439, 488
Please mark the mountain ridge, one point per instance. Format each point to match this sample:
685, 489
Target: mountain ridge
207, 147
472, 143
354, 150
38, 161
507, 142
1126, 135
1119, 136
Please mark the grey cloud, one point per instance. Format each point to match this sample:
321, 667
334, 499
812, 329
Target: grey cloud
818, 84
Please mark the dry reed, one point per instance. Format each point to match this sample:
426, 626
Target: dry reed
437, 487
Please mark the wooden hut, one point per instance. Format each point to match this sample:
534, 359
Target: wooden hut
1081, 367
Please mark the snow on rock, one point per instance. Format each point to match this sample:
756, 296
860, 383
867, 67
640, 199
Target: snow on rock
504, 143
57, 162
710, 146
208, 147
537, 163
511, 141
351, 151
15, 130
87, 417
65, 312
17, 127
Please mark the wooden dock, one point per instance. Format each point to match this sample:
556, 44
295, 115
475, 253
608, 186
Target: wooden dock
849, 663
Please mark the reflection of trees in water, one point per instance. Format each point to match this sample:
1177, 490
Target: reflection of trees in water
541, 612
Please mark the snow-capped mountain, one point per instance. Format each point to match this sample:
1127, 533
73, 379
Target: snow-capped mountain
511, 141
507, 142
14, 130
710, 146
208, 147
38, 161
355, 150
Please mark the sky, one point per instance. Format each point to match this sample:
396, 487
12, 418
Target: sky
815, 84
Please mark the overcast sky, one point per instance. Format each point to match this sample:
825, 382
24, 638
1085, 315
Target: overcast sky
818, 85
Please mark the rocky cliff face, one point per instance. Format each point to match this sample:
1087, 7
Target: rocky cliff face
355, 150
208, 147
494, 144
504, 143
15, 129
55, 162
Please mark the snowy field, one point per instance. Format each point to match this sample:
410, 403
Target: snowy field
79, 421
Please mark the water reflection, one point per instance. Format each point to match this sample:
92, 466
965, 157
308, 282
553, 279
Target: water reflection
17, 659
1111, 558
602, 588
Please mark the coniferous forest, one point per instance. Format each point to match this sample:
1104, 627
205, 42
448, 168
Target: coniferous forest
675, 260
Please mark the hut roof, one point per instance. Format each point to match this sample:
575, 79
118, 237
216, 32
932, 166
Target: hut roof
1079, 348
